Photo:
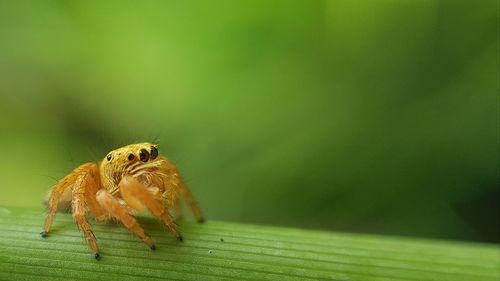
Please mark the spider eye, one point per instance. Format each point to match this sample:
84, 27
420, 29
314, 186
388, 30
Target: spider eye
131, 157
154, 152
109, 157
144, 155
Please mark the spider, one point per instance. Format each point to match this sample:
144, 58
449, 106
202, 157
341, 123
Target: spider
130, 178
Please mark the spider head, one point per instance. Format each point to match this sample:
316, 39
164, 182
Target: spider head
130, 159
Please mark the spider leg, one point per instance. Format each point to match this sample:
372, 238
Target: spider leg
174, 179
188, 196
131, 188
120, 212
95, 209
78, 207
178, 208
62, 187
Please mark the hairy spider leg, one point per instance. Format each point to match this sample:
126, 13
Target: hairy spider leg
63, 185
120, 212
174, 180
178, 208
78, 207
186, 194
131, 188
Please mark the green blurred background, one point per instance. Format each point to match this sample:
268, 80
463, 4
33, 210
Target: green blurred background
367, 116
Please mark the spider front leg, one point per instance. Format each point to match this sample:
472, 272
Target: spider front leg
120, 212
133, 191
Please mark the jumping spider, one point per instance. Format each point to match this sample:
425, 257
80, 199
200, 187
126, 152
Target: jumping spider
130, 178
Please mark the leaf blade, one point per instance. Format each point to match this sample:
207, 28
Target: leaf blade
247, 252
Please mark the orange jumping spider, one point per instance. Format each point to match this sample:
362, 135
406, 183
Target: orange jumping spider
130, 178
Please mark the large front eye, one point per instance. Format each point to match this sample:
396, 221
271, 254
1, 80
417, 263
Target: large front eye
154, 152
109, 157
144, 155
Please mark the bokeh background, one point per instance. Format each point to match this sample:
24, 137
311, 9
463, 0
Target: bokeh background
366, 116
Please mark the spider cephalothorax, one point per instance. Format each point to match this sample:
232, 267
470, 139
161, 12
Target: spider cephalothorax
133, 177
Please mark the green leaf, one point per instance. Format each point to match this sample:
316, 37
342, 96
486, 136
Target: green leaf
230, 251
